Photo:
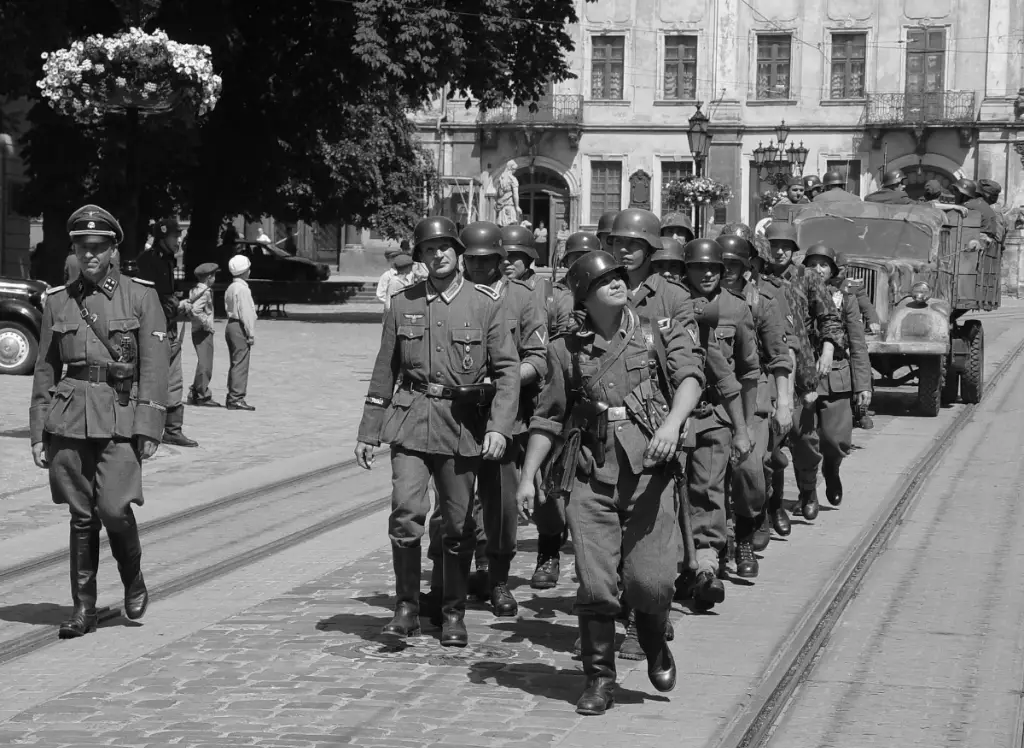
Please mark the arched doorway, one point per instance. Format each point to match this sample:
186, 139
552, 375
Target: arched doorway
544, 200
917, 176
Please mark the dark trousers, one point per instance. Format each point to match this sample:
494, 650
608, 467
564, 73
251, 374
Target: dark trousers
203, 342
747, 479
708, 465
825, 432
99, 480
174, 376
633, 525
238, 349
453, 477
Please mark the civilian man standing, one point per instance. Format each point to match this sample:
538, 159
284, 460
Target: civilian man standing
240, 333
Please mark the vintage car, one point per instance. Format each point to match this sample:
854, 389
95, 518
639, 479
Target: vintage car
924, 267
21, 317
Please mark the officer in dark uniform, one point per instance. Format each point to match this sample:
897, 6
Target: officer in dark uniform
850, 377
94, 422
440, 339
607, 401
892, 192
156, 265
604, 229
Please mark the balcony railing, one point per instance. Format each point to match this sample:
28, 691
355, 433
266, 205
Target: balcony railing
556, 109
952, 108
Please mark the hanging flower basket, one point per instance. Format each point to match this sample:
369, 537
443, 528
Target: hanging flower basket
769, 199
691, 191
130, 71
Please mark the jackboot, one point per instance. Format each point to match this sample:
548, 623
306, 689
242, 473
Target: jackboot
502, 601
809, 504
708, 589
763, 534
126, 549
630, 648
431, 603
661, 666
597, 639
479, 587
545, 576
779, 515
85, 560
456, 581
833, 483
406, 621
173, 423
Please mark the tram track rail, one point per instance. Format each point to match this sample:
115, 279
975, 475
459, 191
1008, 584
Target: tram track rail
169, 526
754, 723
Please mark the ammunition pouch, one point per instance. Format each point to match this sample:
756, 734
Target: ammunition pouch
590, 417
560, 473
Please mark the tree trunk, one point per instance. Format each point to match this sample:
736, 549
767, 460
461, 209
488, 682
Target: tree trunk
203, 230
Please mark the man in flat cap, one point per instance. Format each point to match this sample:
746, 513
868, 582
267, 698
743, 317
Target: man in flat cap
156, 265
200, 311
92, 427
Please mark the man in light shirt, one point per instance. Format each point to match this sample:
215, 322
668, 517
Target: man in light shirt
396, 279
240, 332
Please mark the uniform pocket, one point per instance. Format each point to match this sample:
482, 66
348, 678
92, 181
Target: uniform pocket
466, 349
56, 416
727, 341
840, 379
397, 412
66, 334
410, 343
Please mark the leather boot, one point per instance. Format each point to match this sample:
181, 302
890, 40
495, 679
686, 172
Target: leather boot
833, 483
431, 603
173, 424
708, 589
743, 555
763, 534
479, 580
456, 581
545, 576
126, 548
85, 559
597, 639
809, 504
778, 513
630, 648
406, 621
503, 603
661, 666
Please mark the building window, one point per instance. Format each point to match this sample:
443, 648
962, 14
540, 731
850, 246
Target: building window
672, 171
774, 53
605, 188
850, 171
849, 52
926, 60
681, 67
607, 67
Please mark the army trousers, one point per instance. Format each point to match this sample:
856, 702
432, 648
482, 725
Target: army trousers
822, 429
630, 525
453, 476
99, 480
747, 479
708, 466
174, 375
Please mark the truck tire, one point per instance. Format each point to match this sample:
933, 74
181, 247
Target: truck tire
18, 346
972, 382
951, 387
931, 375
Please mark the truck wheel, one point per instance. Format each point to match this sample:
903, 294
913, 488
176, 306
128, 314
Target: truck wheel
931, 375
951, 387
972, 383
18, 346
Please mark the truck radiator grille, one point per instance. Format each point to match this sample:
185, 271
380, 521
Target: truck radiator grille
869, 276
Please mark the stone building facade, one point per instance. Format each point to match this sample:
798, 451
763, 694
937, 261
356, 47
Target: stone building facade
927, 86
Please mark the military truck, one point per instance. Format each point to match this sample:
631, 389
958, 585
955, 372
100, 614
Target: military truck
923, 267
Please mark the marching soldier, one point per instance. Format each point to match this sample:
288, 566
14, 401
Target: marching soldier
829, 444
440, 339
668, 261
818, 332
156, 265
679, 227
614, 419
92, 427
604, 229
554, 302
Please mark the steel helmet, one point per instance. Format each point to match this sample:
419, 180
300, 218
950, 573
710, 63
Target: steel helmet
677, 220
671, 251
588, 270
812, 182
821, 249
636, 223
966, 187
435, 227
833, 179
482, 238
736, 228
736, 248
703, 250
581, 241
515, 236
605, 222
779, 231
893, 178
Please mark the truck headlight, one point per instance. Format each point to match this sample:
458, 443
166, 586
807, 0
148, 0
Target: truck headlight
920, 292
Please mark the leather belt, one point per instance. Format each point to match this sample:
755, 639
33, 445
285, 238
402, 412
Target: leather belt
95, 373
439, 391
703, 409
618, 413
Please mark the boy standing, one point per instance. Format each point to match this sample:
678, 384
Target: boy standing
240, 333
200, 301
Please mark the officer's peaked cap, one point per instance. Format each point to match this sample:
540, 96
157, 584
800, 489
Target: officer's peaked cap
167, 226
92, 220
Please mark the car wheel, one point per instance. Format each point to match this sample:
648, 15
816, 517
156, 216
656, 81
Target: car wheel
951, 387
931, 376
18, 346
972, 383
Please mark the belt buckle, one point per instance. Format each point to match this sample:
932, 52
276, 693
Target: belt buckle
95, 373
617, 413
435, 390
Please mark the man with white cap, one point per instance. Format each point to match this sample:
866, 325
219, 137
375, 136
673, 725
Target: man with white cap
240, 332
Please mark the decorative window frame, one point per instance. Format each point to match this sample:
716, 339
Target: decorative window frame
704, 62
588, 160
949, 69
870, 63
795, 64
627, 63
656, 178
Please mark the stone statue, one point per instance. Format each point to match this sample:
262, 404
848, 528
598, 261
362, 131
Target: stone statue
1018, 106
507, 203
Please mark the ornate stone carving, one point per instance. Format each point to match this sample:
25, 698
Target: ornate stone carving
846, 10
1018, 106
778, 10
918, 9
489, 137
574, 134
1019, 147
640, 190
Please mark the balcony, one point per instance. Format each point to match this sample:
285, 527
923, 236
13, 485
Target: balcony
553, 110
940, 109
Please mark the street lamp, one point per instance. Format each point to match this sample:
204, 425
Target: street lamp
777, 164
700, 143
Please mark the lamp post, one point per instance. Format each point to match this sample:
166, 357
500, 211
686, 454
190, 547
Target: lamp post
776, 164
6, 149
700, 143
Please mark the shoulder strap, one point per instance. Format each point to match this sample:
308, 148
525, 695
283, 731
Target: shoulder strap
657, 359
90, 320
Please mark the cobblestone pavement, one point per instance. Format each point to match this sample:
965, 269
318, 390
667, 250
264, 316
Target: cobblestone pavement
286, 653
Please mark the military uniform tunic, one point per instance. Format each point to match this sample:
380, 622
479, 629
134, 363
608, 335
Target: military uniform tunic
435, 341
93, 465
621, 510
157, 267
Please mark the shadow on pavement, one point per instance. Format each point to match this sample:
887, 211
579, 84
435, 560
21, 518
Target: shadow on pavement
537, 632
547, 682
16, 434
356, 624
38, 614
